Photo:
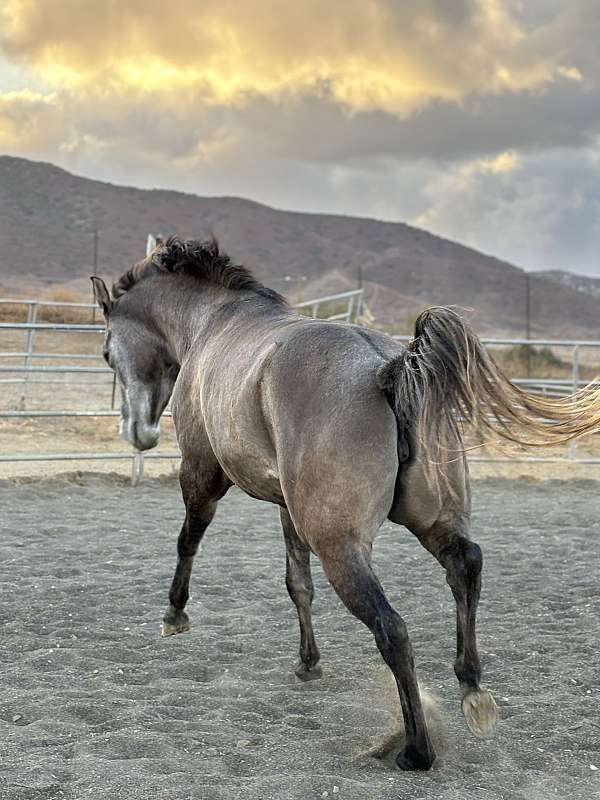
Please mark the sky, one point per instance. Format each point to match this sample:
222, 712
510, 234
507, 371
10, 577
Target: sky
478, 120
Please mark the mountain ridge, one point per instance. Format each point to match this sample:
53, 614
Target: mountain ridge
48, 217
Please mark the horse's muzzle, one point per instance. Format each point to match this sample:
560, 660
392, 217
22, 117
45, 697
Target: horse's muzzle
145, 436
142, 435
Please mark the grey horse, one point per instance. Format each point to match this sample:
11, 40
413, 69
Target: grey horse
340, 426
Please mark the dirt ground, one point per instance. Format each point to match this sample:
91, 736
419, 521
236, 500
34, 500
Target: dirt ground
95, 704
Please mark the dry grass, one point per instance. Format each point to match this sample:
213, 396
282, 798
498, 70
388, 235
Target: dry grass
17, 312
545, 362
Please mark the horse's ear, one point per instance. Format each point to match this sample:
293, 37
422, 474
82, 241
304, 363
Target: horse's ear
169, 254
151, 243
101, 295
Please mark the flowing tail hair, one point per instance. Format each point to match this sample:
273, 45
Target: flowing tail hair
446, 382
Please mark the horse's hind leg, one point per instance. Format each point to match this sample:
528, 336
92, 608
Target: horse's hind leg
462, 559
200, 489
300, 587
349, 570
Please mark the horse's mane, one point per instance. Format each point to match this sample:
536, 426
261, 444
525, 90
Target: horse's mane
200, 259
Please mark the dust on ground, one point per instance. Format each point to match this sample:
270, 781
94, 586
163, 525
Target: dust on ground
95, 704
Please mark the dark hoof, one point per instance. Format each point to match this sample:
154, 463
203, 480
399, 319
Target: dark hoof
174, 623
306, 673
410, 758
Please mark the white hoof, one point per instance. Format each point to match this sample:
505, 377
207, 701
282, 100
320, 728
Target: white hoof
166, 629
481, 712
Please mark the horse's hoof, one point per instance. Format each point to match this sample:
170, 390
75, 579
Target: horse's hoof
177, 624
306, 673
412, 759
481, 713
166, 629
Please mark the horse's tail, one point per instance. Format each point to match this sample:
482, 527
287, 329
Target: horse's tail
445, 382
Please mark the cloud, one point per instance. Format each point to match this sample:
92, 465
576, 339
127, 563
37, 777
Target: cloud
322, 82
543, 213
27, 119
477, 118
503, 162
381, 55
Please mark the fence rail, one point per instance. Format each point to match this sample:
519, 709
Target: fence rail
17, 301
353, 301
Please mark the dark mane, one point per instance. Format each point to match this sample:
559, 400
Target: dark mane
200, 259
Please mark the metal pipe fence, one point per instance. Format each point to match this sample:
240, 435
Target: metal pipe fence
351, 302
352, 299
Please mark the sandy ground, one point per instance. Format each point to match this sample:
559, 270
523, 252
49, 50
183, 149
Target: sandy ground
95, 704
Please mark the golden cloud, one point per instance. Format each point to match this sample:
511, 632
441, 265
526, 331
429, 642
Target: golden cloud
503, 162
20, 116
395, 57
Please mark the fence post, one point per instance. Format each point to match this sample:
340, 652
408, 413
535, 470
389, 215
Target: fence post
114, 390
137, 468
28, 320
350, 309
31, 320
359, 300
575, 388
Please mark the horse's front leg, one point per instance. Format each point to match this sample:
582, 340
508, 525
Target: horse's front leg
200, 491
299, 584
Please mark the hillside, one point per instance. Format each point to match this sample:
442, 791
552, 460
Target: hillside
582, 283
47, 218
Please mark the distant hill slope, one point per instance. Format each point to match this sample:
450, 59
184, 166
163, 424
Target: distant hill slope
582, 283
47, 217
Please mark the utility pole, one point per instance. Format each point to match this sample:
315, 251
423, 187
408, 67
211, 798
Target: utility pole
359, 304
96, 236
528, 320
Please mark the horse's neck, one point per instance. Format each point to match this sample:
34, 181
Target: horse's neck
183, 317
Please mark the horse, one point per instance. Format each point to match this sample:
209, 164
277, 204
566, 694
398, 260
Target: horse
340, 426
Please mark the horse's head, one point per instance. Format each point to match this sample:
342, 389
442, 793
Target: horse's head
145, 369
